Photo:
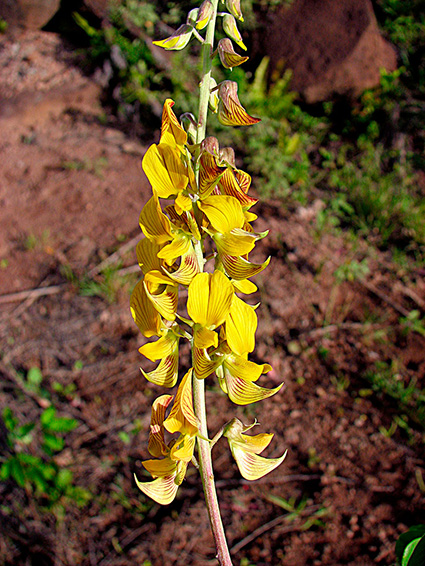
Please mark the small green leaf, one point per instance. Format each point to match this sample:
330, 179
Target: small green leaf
47, 416
52, 443
5, 471
64, 478
17, 472
124, 437
34, 376
62, 424
9, 420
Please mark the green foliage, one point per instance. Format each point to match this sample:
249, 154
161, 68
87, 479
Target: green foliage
386, 378
40, 476
410, 547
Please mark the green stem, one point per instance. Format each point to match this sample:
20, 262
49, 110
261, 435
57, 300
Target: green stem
204, 448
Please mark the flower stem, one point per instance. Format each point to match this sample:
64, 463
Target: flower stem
207, 475
204, 448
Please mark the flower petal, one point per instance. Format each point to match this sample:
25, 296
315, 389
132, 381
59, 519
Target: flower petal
183, 449
240, 268
189, 267
171, 131
252, 466
147, 255
165, 170
224, 212
144, 313
209, 299
153, 222
166, 373
203, 364
243, 392
182, 417
228, 56
165, 301
161, 490
156, 444
241, 368
166, 345
229, 185
160, 468
241, 325
230, 110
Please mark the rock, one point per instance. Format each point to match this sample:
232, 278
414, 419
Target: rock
30, 14
333, 47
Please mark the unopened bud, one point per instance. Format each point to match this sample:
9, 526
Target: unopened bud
227, 157
230, 110
231, 29
234, 7
178, 40
188, 122
228, 56
205, 12
210, 145
192, 17
213, 100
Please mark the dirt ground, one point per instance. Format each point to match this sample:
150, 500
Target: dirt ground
71, 191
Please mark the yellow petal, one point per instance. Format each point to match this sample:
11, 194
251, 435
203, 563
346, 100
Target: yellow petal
165, 170
241, 368
230, 110
236, 243
183, 448
144, 313
153, 222
160, 468
209, 174
241, 325
209, 300
179, 246
224, 212
166, 373
229, 185
228, 56
243, 392
171, 131
165, 302
182, 417
156, 444
244, 286
204, 337
189, 267
203, 364
240, 268
183, 203
166, 345
161, 490
255, 444
252, 466
147, 255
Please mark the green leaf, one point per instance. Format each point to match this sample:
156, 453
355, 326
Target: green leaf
9, 420
17, 472
34, 376
417, 531
414, 553
64, 478
62, 424
47, 416
23, 431
52, 443
5, 471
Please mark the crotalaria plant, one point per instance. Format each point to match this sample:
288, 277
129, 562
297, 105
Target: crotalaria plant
206, 199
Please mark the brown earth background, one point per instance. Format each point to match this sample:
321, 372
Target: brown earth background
71, 191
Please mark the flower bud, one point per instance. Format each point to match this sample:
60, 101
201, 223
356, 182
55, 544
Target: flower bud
231, 29
226, 157
228, 56
210, 145
205, 12
192, 17
188, 122
230, 110
234, 7
213, 101
178, 40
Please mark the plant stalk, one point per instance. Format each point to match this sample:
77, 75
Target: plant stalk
204, 448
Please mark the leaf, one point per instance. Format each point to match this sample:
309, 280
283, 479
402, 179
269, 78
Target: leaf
52, 443
414, 553
34, 376
416, 531
64, 478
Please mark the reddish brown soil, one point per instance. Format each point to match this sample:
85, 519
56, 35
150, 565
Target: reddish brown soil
71, 191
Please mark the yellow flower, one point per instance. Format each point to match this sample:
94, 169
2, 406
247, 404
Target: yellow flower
246, 449
171, 131
236, 376
166, 349
208, 304
169, 472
